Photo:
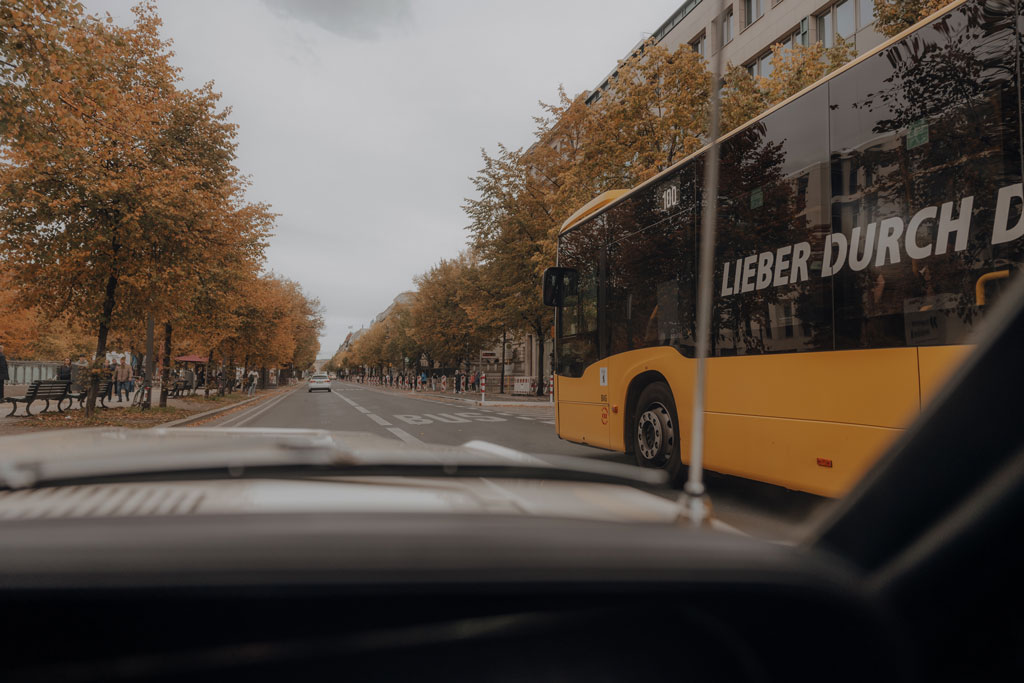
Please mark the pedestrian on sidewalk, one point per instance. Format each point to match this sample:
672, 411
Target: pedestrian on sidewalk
122, 373
4, 375
252, 382
64, 371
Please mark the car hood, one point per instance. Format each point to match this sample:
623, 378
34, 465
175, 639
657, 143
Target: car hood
105, 472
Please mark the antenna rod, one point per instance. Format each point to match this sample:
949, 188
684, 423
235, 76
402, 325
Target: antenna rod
694, 489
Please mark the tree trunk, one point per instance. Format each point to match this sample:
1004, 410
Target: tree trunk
540, 359
165, 374
206, 375
101, 345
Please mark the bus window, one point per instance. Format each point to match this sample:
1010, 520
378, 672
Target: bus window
650, 276
924, 138
578, 317
769, 296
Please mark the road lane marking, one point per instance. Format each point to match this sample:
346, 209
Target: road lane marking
346, 399
405, 436
449, 418
248, 416
376, 418
548, 422
523, 417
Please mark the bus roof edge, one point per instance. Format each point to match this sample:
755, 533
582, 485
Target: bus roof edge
595, 204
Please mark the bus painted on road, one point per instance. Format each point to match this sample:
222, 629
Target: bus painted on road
864, 227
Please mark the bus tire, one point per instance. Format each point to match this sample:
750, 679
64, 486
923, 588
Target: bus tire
656, 432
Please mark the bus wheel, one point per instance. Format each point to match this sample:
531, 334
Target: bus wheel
656, 431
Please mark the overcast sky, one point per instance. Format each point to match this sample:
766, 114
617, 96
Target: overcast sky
361, 121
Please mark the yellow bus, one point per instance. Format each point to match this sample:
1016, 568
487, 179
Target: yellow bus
864, 226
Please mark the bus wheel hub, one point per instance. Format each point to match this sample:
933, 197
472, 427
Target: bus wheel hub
654, 431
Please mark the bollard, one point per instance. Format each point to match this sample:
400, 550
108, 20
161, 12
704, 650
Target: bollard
444, 384
483, 387
551, 396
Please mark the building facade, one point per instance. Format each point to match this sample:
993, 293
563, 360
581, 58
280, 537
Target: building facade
747, 29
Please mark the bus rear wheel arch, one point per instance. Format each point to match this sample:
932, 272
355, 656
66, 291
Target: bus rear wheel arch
654, 431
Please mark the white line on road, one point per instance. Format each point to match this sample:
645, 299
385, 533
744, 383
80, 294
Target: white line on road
404, 435
250, 415
346, 399
376, 418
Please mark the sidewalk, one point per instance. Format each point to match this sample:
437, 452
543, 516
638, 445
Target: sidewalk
117, 413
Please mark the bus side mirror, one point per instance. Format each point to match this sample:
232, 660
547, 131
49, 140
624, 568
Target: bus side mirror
558, 284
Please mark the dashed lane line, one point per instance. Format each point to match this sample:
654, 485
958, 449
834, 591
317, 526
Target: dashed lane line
405, 436
376, 418
346, 399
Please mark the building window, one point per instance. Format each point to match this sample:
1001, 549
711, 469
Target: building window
846, 23
803, 34
697, 44
726, 27
843, 19
752, 11
826, 33
762, 66
866, 10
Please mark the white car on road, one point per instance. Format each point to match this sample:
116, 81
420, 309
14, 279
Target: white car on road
318, 382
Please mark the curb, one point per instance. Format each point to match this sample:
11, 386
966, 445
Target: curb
200, 416
473, 402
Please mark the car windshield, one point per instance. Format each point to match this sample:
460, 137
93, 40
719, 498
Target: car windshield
442, 223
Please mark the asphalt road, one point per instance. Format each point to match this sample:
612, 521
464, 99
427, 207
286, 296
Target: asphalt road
758, 509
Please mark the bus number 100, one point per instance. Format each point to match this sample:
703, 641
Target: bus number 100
670, 197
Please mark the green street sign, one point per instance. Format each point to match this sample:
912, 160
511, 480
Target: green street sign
757, 198
917, 134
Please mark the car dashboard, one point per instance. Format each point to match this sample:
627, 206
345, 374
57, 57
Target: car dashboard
383, 597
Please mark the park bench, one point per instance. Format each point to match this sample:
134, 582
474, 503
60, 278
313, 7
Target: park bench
41, 390
101, 394
180, 388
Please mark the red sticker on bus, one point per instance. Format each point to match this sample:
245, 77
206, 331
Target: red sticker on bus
824, 462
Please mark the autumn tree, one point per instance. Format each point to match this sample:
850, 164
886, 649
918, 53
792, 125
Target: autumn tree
793, 69
654, 113
441, 324
115, 185
892, 17
513, 232
277, 325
